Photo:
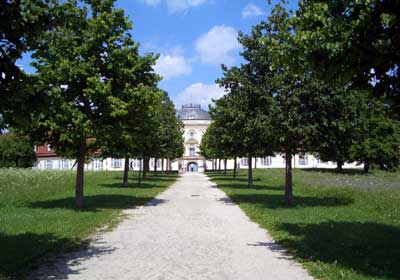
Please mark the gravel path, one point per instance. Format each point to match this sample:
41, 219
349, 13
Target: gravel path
191, 231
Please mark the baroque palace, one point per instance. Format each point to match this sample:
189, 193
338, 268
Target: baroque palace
195, 120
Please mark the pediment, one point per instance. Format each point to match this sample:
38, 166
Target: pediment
192, 141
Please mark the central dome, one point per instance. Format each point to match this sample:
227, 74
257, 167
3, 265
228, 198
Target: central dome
193, 112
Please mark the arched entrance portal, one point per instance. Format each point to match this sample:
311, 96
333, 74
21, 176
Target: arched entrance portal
192, 167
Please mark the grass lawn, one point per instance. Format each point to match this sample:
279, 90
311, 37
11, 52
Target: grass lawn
37, 214
341, 227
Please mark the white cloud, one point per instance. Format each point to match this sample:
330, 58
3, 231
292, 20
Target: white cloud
176, 6
252, 10
152, 2
199, 93
173, 64
216, 46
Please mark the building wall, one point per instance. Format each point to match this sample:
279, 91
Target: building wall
193, 133
58, 163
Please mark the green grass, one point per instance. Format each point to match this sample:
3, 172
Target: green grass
341, 226
37, 215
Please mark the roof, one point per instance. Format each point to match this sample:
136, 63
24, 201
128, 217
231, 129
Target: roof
45, 151
193, 112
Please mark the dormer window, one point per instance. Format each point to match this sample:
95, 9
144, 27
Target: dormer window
48, 147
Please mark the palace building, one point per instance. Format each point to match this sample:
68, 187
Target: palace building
195, 120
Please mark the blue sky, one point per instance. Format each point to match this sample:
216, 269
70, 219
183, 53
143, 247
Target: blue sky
193, 37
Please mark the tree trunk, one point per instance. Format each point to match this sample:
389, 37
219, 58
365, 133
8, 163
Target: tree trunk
162, 165
155, 165
126, 172
80, 175
234, 167
288, 179
339, 167
250, 172
225, 166
219, 165
255, 163
140, 171
146, 166
169, 165
366, 167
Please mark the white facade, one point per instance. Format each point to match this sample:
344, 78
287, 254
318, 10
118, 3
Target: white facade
191, 160
195, 121
187, 162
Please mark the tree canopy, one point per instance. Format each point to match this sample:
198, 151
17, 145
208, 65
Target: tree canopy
16, 151
91, 80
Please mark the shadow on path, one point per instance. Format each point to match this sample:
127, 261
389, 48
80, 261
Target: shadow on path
60, 266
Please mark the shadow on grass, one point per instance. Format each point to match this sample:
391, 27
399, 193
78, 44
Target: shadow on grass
221, 174
371, 249
274, 201
166, 177
20, 253
254, 187
131, 186
230, 179
335, 171
95, 202
156, 178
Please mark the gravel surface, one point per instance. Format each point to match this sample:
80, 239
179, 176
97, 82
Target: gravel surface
191, 231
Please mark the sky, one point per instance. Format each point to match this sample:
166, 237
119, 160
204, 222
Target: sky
193, 39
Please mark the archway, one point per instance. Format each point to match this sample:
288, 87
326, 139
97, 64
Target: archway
192, 167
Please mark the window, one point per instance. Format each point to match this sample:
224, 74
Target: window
35, 148
96, 164
303, 159
192, 133
48, 147
136, 163
192, 151
244, 161
266, 161
48, 164
116, 163
63, 164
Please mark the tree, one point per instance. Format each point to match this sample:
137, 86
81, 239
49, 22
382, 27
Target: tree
169, 132
283, 102
125, 137
208, 144
21, 23
16, 151
133, 81
73, 63
281, 92
342, 119
379, 142
245, 106
211, 146
354, 43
